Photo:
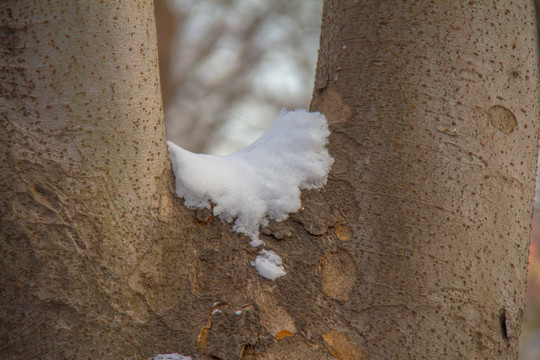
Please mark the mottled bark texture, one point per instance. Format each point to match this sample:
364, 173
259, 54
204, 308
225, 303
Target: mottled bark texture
416, 248
433, 107
85, 176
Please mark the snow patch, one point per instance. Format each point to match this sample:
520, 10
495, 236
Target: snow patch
174, 356
268, 265
261, 181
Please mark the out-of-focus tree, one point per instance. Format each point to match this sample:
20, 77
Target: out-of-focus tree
223, 67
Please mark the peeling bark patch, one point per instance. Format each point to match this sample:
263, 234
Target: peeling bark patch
330, 102
203, 222
202, 339
278, 230
283, 334
227, 332
203, 216
342, 347
275, 318
338, 273
343, 231
502, 118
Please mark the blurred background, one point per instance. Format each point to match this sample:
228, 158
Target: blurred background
229, 66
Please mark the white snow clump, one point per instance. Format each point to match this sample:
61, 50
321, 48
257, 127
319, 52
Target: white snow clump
261, 181
268, 265
174, 356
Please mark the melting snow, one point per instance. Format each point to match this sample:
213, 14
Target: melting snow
171, 357
268, 265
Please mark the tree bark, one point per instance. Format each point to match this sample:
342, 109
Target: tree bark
434, 113
416, 248
85, 176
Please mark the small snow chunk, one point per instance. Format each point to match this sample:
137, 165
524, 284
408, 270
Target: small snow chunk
216, 311
238, 312
261, 181
174, 356
268, 265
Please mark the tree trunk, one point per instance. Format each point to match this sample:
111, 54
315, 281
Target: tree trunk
85, 176
416, 248
434, 113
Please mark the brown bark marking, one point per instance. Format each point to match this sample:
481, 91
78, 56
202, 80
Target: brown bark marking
279, 230
338, 273
341, 346
228, 331
502, 118
202, 339
274, 318
331, 103
283, 334
343, 231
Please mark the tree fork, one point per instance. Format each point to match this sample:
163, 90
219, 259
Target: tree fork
416, 248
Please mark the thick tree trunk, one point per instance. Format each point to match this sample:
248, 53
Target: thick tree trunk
434, 113
85, 175
416, 248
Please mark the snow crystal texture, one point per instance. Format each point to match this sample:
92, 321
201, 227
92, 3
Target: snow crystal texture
174, 356
268, 265
261, 181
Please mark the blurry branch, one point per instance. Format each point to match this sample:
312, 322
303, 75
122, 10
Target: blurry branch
233, 85
220, 50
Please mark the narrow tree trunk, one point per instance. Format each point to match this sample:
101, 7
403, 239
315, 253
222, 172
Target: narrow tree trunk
434, 113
